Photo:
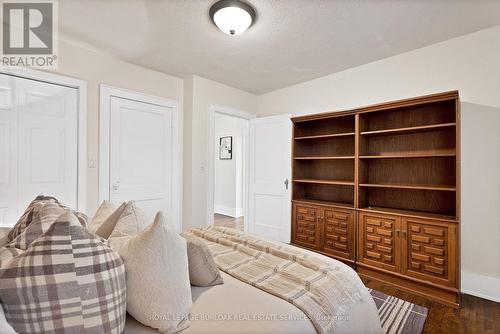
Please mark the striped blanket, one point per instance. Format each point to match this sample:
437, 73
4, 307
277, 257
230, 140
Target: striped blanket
324, 290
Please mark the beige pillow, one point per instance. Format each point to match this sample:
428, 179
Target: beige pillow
127, 220
108, 225
103, 212
202, 269
158, 289
132, 220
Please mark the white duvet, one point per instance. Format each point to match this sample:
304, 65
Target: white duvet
237, 307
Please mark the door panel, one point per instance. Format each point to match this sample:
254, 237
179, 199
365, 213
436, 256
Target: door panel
140, 154
338, 232
9, 208
428, 250
269, 195
307, 227
38, 144
378, 240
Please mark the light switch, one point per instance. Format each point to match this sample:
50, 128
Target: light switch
91, 163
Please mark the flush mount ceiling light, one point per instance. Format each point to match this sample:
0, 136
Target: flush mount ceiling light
232, 16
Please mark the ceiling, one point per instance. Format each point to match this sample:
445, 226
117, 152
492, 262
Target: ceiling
292, 40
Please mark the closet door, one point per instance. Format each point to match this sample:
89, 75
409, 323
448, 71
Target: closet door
39, 137
8, 152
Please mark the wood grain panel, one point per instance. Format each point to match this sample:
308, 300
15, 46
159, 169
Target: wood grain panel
306, 228
378, 236
338, 232
429, 250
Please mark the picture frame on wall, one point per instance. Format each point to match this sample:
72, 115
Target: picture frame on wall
226, 148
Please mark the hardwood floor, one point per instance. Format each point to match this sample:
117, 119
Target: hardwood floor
475, 315
226, 221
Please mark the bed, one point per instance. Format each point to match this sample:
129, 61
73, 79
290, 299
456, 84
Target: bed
237, 307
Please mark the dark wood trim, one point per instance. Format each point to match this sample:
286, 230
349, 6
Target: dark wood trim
450, 297
381, 106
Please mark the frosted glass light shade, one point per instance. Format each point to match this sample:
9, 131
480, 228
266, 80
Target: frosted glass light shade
232, 16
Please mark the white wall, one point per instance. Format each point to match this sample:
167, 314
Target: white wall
204, 93
228, 181
470, 64
84, 62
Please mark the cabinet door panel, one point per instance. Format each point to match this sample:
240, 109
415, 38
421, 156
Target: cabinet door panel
307, 230
338, 232
429, 250
378, 240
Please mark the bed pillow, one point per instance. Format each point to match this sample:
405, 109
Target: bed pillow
105, 229
43, 216
78, 283
158, 289
126, 221
31, 215
131, 221
103, 212
202, 269
27, 216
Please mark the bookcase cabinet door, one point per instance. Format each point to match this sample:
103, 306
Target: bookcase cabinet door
338, 232
429, 250
379, 241
306, 227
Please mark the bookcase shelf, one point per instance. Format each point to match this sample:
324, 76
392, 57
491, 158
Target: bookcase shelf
413, 129
339, 157
333, 135
379, 187
328, 203
331, 182
409, 186
408, 155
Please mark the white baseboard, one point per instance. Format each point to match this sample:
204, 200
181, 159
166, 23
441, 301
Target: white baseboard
228, 211
481, 286
239, 212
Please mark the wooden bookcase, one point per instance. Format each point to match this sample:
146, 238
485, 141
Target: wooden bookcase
378, 188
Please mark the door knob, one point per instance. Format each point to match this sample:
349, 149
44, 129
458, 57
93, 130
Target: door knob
116, 185
286, 183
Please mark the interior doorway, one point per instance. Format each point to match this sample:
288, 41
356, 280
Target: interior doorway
228, 172
229, 187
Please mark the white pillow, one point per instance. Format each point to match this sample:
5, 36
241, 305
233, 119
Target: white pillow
202, 269
103, 212
156, 265
5, 327
105, 228
132, 220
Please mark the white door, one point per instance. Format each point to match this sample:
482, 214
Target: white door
38, 144
270, 173
141, 155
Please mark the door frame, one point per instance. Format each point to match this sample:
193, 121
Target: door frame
81, 89
218, 109
106, 92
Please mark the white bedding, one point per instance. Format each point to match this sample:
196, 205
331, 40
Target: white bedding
225, 302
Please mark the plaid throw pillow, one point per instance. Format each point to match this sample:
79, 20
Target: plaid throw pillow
67, 281
27, 216
38, 214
